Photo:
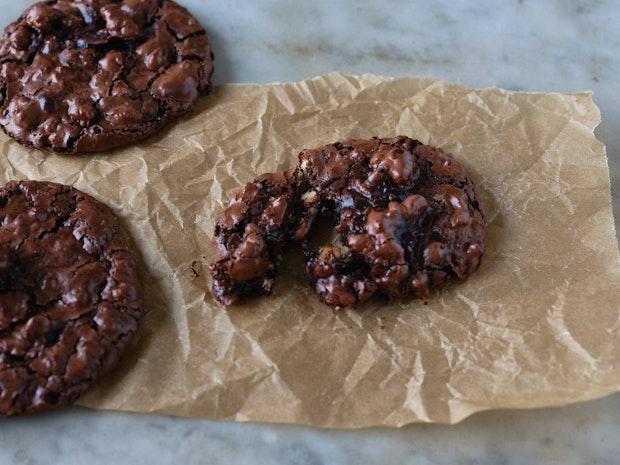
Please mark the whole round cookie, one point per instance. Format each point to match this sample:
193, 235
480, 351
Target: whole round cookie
70, 299
90, 75
406, 219
406, 216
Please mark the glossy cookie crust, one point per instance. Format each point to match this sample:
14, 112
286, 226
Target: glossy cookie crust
90, 75
70, 299
406, 216
251, 234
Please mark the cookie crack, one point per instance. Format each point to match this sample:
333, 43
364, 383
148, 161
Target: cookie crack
178, 39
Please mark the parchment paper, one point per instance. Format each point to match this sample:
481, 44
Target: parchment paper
537, 325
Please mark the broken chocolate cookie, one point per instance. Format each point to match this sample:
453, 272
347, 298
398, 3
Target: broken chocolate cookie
251, 234
406, 219
406, 215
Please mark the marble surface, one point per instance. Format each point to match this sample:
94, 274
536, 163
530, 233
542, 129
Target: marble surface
535, 45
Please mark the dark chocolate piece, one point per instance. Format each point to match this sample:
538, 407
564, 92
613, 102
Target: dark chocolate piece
79, 77
70, 299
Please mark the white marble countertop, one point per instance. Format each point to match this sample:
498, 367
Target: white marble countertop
536, 45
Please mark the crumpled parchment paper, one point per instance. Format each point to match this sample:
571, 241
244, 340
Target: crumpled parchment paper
537, 325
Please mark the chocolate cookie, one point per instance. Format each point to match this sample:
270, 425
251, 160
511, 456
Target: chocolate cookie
405, 215
90, 75
69, 295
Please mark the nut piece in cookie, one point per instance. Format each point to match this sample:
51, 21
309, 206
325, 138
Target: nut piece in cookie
70, 299
79, 77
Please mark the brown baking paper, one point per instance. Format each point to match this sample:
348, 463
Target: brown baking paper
537, 325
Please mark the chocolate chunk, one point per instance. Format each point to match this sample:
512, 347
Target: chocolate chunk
406, 216
70, 299
80, 77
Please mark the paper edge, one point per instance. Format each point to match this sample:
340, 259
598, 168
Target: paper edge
344, 427
437, 80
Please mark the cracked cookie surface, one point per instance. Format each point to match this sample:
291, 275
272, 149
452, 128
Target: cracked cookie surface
90, 75
405, 216
70, 298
